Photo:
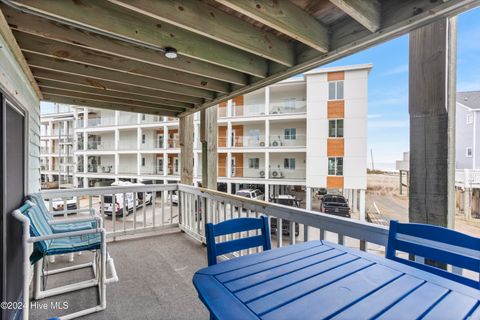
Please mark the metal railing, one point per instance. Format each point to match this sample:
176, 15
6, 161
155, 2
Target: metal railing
198, 206
125, 210
152, 207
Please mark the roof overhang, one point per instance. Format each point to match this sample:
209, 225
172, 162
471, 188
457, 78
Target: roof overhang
111, 54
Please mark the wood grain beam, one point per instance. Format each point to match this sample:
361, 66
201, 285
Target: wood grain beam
215, 24
285, 17
105, 105
351, 37
114, 21
45, 85
44, 62
83, 39
6, 34
116, 87
365, 12
103, 98
60, 50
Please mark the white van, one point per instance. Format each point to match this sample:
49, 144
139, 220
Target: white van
109, 205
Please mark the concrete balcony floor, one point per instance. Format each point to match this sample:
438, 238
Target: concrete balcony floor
155, 281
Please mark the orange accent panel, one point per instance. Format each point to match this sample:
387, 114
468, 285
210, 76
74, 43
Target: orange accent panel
336, 109
238, 135
335, 76
238, 164
334, 182
222, 136
335, 147
222, 164
238, 102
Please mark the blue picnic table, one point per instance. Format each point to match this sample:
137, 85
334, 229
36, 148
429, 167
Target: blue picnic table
320, 280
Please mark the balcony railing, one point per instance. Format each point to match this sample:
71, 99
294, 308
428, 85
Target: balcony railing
101, 121
152, 170
94, 168
284, 107
189, 208
467, 178
278, 141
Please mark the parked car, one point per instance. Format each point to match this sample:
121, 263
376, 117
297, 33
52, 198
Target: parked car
321, 192
335, 204
109, 205
251, 194
58, 204
286, 200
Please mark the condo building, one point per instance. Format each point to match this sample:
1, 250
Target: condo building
305, 133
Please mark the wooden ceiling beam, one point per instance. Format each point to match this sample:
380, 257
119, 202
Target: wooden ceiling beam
114, 21
116, 87
99, 97
106, 104
350, 37
83, 39
365, 12
48, 63
215, 24
285, 17
60, 50
136, 99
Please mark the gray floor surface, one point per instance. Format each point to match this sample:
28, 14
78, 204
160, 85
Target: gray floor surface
155, 281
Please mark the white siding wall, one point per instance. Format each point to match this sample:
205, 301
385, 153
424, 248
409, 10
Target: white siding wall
15, 83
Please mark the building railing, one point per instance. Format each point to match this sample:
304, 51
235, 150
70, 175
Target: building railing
467, 178
298, 140
285, 107
175, 205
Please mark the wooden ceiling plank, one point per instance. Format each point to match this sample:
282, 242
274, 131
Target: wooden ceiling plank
401, 19
106, 105
48, 63
105, 18
98, 97
218, 25
47, 29
60, 50
365, 12
285, 17
106, 85
45, 85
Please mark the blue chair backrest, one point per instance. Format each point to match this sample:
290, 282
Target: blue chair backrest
437, 244
38, 200
233, 226
39, 226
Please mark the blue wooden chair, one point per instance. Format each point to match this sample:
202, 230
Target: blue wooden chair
437, 244
232, 226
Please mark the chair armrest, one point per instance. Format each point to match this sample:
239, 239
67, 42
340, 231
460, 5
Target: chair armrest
63, 212
75, 220
68, 235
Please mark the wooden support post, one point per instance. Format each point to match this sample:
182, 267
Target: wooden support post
208, 138
186, 149
432, 98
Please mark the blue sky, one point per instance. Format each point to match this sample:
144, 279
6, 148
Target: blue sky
388, 123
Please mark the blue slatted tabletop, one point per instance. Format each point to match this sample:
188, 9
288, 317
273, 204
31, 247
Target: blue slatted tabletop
322, 280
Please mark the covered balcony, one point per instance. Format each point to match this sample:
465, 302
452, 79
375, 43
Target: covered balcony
173, 60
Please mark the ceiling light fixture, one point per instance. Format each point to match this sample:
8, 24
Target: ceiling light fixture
171, 53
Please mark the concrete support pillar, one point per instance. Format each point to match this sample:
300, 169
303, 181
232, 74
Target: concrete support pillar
362, 205
467, 203
165, 164
267, 133
431, 106
229, 143
229, 187
308, 199
354, 200
186, 149
229, 165
267, 100
267, 192
267, 165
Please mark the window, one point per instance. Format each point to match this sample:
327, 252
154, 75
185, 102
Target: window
469, 118
469, 152
290, 133
289, 163
335, 128
143, 138
335, 166
144, 117
254, 163
335, 90
143, 161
